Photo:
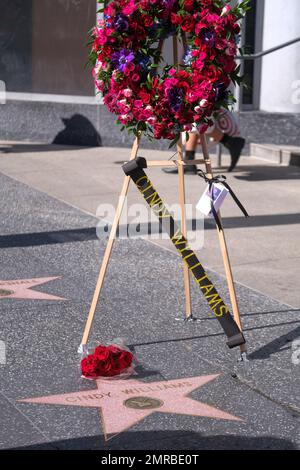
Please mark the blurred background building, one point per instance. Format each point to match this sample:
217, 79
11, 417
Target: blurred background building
43, 57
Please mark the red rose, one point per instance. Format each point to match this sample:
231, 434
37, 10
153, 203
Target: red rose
175, 19
183, 74
114, 351
90, 366
148, 21
119, 360
212, 73
140, 32
188, 5
125, 359
107, 369
145, 97
102, 353
187, 24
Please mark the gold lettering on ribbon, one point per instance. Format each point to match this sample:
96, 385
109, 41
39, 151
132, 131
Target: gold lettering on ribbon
155, 202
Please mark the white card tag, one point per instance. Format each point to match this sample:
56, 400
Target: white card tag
219, 194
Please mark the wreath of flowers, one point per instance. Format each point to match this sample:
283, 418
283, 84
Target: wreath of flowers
163, 101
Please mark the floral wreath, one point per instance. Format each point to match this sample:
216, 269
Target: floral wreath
163, 101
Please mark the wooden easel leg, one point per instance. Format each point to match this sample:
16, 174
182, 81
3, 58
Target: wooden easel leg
108, 249
223, 246
186, 274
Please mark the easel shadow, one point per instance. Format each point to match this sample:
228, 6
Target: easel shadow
277, 345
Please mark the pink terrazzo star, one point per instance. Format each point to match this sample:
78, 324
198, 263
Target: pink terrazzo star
124, 403
21, 289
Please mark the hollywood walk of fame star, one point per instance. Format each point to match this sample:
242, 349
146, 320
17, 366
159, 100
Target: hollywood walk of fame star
124, 403
21, 289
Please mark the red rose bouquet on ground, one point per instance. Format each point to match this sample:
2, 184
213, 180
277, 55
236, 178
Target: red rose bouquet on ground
112, 361
155, 98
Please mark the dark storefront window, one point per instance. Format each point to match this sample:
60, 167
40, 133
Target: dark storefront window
43, 46
249, 65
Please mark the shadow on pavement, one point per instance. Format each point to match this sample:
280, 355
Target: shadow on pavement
144, 229
48, 238
279, 344
268, 173
211, 335
167, 440
33, 148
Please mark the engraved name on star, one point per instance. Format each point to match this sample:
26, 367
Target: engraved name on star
124, 403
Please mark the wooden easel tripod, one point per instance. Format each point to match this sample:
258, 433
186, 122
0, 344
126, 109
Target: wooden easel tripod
180, 163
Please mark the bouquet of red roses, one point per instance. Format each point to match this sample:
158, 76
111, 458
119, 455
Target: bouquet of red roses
109, 361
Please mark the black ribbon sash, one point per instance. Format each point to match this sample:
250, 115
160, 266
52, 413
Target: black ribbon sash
222, 180
134, 169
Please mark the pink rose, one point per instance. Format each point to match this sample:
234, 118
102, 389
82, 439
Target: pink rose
203, 103
127, 92
226, 10
152, 120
